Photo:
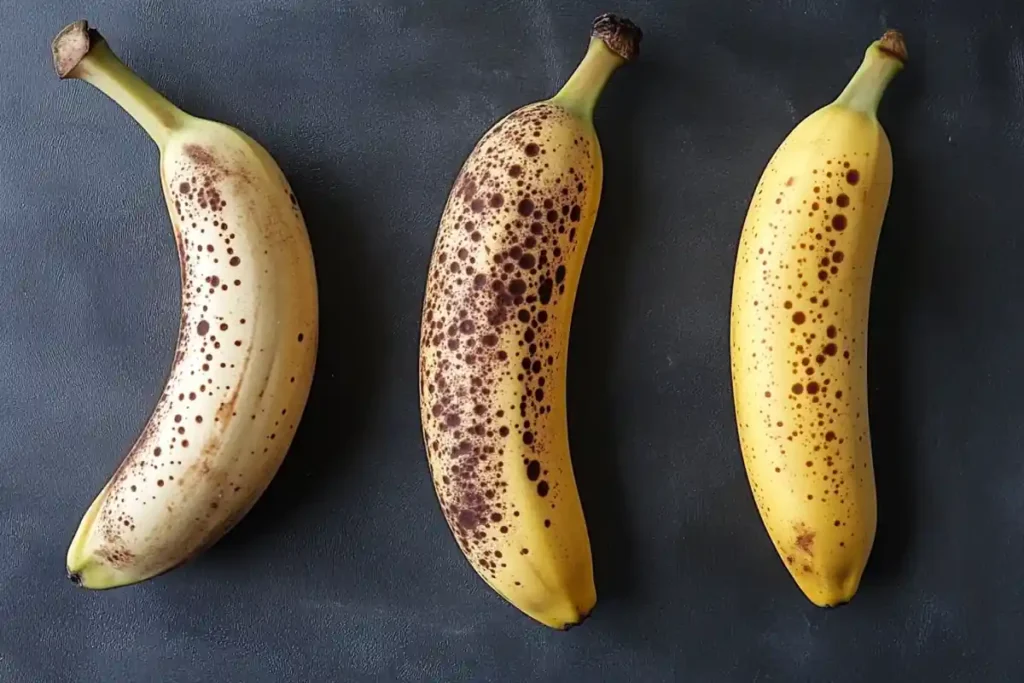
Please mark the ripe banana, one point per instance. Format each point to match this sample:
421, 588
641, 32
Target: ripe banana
799, 327
247, 341
494, 339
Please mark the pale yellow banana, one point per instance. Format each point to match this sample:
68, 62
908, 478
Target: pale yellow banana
799, 333
247, 342
494, 339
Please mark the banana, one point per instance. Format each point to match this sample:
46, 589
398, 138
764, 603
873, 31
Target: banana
799, 327
246, 348
494, 338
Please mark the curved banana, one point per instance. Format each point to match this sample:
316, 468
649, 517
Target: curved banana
494, 339
246, 348
799, 333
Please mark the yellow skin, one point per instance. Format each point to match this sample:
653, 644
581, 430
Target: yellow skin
494, 343
799, 326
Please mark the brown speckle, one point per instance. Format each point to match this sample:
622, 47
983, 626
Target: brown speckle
200, 155
805, 541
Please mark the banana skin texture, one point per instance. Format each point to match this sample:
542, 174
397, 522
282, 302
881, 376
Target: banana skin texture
799, 327
494, 339
246, 348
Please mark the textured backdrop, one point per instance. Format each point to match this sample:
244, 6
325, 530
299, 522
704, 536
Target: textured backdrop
345, 570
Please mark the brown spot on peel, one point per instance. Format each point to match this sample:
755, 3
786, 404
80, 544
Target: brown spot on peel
805, 541
201, 156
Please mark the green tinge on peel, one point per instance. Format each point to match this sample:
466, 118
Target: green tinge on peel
82, 53
614, 41
84, 568
883, 59
581, 92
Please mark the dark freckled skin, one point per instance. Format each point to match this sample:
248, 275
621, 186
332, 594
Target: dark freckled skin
508, 403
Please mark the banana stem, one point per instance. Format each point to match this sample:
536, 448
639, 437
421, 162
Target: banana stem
84, 54
882, 61
581, 92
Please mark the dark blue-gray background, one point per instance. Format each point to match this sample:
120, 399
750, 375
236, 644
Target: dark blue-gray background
345, 570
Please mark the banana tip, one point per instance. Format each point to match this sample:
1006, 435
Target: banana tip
837, 604
573, 624
75, 578
892, 43
621, 35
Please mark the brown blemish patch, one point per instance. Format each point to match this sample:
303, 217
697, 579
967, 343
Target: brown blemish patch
116, 554
226, 410
200, 155
805, 539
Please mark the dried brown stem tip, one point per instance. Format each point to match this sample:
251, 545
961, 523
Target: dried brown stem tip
71, 45
892, 43
621, 35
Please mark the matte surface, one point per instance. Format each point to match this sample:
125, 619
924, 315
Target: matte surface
345, 571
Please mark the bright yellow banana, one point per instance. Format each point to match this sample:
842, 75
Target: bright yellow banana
799, 333
495, 335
